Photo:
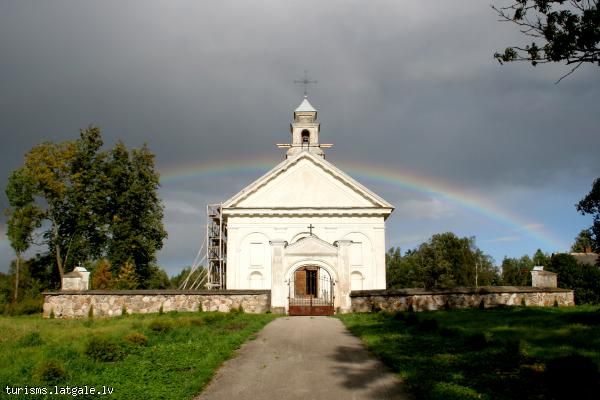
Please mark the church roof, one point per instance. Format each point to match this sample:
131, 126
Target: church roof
305, 106
273, 185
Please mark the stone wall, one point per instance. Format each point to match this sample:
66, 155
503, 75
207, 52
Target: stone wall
488, 297
76, 304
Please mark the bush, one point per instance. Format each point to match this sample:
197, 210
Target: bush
31, 339
136, 339
49, 371
573, 377
161, 326
104, 349
452, 391
91, 312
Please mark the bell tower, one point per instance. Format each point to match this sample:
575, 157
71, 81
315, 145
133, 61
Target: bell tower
305, 131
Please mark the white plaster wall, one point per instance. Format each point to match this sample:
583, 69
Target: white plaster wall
242, 231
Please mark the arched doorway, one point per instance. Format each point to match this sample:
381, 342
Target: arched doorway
311, 291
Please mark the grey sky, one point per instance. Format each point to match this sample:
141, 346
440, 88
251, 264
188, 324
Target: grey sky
408, 86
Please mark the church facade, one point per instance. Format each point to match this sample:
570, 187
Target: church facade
305, 230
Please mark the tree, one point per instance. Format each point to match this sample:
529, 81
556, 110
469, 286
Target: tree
517, 271
583, 242
590, 204
134, 210
89, 203
444, 261
539, 258
23, 219
583, 279
102, 277
562, 31
127, 278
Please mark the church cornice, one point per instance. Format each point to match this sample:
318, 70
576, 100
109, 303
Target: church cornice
308, 212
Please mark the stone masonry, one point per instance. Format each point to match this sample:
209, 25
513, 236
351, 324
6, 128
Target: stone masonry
487, 297
76, 304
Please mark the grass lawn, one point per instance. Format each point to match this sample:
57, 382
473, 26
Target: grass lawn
507, 353
170, 356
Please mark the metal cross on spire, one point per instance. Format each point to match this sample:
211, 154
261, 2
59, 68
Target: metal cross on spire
311, 227
305, 82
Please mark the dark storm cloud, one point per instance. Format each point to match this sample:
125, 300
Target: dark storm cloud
406, 85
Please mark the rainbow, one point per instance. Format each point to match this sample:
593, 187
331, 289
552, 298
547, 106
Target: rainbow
403, 179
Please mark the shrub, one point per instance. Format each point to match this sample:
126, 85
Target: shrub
91, 312
573, 377
161, 310
31, 339
49, 371
123, 311
452, 391
136, 339
236, 310
52, 316
104, 349
200, 309
161, 326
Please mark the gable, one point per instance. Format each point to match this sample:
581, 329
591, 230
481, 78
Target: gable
311, 245
306, 181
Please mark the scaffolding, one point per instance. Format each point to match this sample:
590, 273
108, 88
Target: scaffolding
213, 251
216, 247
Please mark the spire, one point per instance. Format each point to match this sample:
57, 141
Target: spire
305, 131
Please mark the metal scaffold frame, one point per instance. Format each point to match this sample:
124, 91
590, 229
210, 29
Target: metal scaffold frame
216, 247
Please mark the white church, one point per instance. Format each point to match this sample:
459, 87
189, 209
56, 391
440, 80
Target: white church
305, 230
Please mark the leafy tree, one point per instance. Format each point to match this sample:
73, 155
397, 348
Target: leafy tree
517, 271
583, 242
127, 278
89, 203
23, 219
561, 31
583, 279
444, 261
540, 258
590, 204
158, 278
134, 210
102, 277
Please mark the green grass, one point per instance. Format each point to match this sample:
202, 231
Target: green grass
507, 353
179, 357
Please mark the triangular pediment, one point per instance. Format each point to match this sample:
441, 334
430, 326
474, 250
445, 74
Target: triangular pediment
306, 181
311, 245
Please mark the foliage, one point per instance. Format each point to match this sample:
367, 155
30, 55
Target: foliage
157, 279
502, 353
583, 279
102, 278
87, 203
562, 31
176, 365
517, 271
104, 349
50, 371
136, 339
442, 262
590, 204
161, 325
127, 278
583, 242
